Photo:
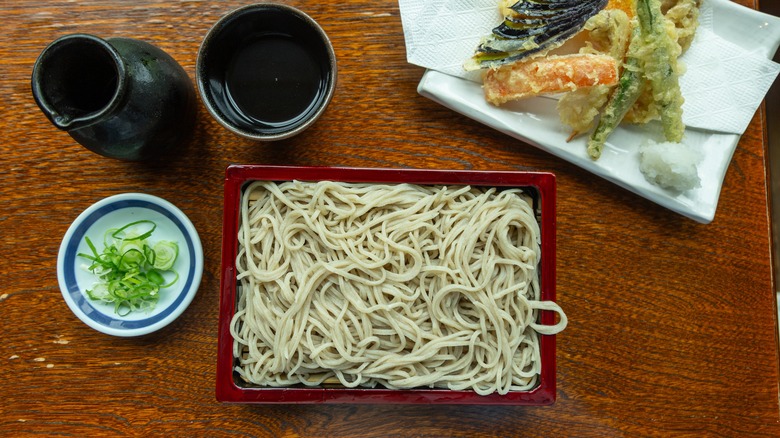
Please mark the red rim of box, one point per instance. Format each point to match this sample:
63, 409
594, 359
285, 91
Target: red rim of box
236, 176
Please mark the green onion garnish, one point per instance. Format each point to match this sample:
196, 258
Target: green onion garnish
131, 269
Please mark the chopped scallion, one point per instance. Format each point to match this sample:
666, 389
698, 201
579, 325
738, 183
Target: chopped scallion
130, 269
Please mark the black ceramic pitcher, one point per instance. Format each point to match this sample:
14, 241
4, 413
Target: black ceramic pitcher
119, 97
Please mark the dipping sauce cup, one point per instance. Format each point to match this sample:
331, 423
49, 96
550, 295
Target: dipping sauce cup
266, 71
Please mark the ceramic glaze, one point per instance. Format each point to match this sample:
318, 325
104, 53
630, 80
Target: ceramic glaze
121, 98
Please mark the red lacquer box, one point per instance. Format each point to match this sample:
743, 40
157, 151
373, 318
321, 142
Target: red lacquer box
230, 388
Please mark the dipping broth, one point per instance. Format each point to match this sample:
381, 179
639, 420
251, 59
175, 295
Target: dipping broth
274, 80
266, 71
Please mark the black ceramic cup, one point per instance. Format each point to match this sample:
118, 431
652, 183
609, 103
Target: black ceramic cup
266, 71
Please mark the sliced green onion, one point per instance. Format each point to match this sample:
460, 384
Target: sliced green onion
165, 253
155, 277
130, 258
172, 282
119, 234
130, 270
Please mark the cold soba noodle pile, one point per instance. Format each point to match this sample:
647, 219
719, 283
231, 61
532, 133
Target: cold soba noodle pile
402, 286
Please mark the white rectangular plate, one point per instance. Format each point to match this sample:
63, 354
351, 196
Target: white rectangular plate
536, 122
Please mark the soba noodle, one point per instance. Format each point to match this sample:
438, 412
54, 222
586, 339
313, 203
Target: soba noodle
398, 285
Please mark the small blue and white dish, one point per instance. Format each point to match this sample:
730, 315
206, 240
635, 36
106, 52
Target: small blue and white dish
111, 213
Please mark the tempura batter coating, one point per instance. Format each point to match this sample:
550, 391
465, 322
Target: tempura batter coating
555, 74
608, 33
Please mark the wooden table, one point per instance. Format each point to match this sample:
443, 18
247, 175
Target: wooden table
672, 323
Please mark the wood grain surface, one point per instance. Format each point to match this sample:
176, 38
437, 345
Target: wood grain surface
672, 323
